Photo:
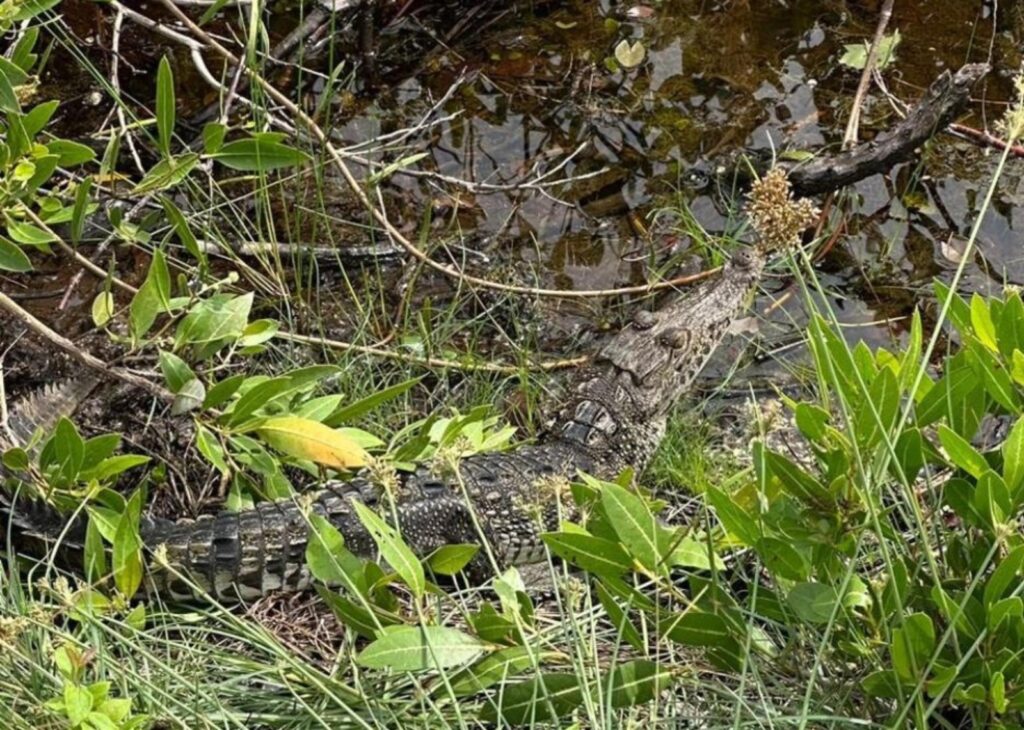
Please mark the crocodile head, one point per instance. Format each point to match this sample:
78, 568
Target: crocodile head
654, 360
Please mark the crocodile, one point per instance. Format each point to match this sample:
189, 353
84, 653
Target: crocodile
613, 418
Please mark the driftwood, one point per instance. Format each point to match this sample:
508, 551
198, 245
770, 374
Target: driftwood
943, 101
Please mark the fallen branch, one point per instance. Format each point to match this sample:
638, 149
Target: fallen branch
946, 98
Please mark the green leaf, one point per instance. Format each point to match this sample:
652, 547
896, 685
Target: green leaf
81, 208
30, 235
114, 466
210, 447
219, 393
697, 628
165, 105
128, 554
1007, 574
796, 481
593, 554
181, 228
213, 137
733, 517
22, 56
1013, 459
167, 173
912, 646
450, 559
70, 154
94, 560
215, 319
12, 258
77, 703
539, 699
981, 322
153, 296
877, 414
175, 370
260, 153
782, 559
35, 121
8, 97
636, 682
329, 560
619, 617
419, 648
28, 9
361, 407
855, 55
813, 602
393, 549
497, 667
634, 524
961, 453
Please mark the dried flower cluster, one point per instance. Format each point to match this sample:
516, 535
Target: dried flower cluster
1011, 126
777, 218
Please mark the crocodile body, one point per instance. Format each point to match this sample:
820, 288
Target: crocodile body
614, 418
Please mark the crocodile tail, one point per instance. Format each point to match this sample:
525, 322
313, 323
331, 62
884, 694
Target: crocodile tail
37, 518
44, 408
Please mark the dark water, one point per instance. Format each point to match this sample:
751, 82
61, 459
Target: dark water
719, 76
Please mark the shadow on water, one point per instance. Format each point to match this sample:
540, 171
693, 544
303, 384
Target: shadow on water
536, 85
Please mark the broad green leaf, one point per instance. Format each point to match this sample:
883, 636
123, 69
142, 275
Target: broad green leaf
912, 646
781, 558
733, 517
876, 415
361, 407
539, 699
188, 397
961, 453
796, 481
1013, 459
175, 370
855, 55
592, 554
70, 154
258, 396
697, 628
306, 439
393, 549
636, 682
165, 105
35, 121
83, 205
222, 391
497, 667
113, 466
166, 173
128, 555
94, 560
12, 258
258, 154
329, 560
419, 648
28, 9
8, 97
77, 703
813, 602
450, 559
213, 137
29, 234
181, 228
981, 322
634, 524
1007, 574
215, 319
210, 447
153, 297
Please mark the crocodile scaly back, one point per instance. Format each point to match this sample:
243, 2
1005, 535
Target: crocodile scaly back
43, 409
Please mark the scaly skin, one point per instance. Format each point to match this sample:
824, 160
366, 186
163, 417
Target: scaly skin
614, 418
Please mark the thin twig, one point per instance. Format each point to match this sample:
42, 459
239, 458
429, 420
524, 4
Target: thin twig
87, 359
853, 124
986, 139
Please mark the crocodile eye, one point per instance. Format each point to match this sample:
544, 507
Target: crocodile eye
676, 338
743, 259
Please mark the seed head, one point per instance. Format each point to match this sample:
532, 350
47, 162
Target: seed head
778, 219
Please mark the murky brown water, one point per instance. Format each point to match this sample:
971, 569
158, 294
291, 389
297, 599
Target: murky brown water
751, 74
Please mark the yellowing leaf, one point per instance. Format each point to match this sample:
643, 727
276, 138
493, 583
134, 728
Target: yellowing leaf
630, 55
306, 439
